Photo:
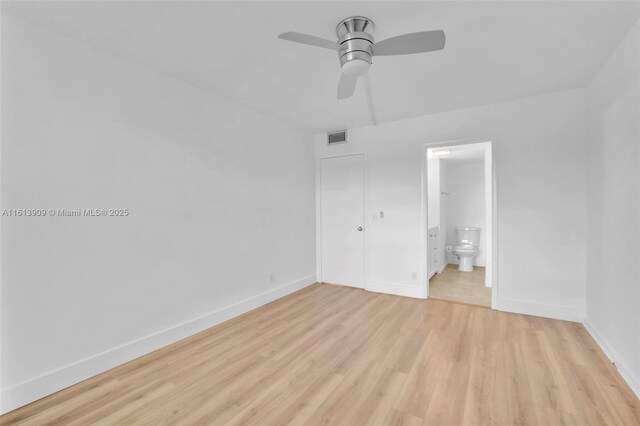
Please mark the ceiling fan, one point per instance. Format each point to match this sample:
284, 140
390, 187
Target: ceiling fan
356, 46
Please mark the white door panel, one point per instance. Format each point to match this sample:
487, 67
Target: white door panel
342, 210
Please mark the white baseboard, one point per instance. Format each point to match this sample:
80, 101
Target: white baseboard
456, 261
407, 290
623, 368
53, 381
567, 313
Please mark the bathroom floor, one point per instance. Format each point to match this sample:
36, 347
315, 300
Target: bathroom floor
466, 287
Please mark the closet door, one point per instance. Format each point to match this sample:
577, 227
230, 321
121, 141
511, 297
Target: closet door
342, 210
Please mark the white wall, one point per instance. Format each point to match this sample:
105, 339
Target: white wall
613, 249
220, 198
466, 205
433, 203
443, 202
539, 161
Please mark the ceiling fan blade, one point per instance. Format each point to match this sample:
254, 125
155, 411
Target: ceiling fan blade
309, 39
425, 41
347, 86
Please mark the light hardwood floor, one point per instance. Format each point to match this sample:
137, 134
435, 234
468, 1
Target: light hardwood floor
338, 355
466, 287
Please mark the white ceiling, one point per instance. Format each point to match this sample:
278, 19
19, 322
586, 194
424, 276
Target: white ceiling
495, 50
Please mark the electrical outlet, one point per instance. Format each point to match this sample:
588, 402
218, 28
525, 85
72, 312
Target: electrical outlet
272, 277
414, 276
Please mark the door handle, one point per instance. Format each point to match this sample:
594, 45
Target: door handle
360, 228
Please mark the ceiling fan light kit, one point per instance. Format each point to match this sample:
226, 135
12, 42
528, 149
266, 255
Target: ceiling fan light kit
356, 47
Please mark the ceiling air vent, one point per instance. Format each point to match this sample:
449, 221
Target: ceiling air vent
336, 137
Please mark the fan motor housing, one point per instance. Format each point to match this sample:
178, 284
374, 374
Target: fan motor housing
355, 39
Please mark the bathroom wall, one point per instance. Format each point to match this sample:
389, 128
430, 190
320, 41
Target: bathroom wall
613, 182
443, 202
433, 181
465, 204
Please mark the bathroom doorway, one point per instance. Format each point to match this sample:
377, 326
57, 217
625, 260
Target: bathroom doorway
459, 222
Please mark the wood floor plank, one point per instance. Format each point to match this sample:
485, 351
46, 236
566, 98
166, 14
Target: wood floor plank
459, 286
338, 355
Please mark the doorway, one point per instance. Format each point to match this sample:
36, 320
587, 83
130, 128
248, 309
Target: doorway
342, 220
459, 222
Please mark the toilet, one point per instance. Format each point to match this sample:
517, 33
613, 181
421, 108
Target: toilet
467, 240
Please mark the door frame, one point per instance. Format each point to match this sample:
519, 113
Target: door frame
491, 209
319, 215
